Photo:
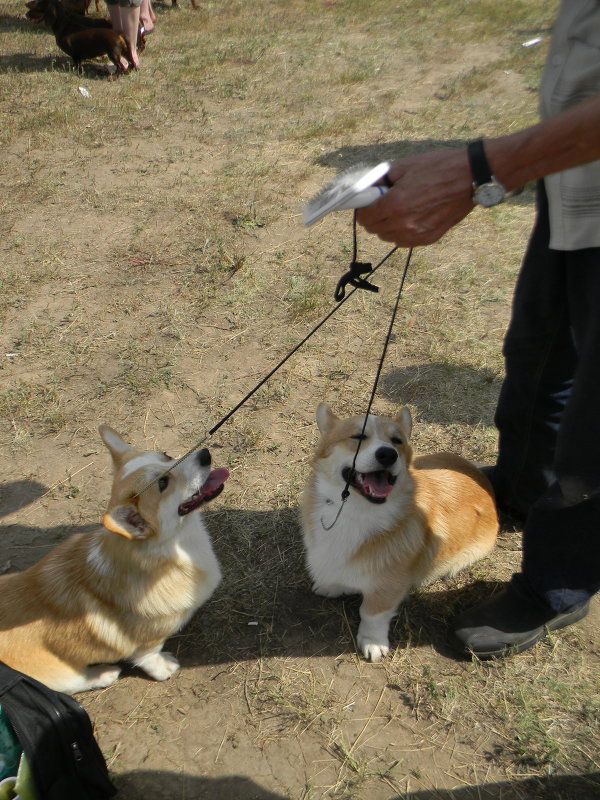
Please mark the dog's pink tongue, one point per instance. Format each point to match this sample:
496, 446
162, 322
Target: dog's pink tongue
216, 478
377, 484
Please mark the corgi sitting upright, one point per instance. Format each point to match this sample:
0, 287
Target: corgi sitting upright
116, 593
404, 523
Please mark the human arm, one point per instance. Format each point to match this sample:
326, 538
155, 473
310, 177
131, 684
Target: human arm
432, 191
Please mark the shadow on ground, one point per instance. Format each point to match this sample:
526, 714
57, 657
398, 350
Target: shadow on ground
17, 23
140, 785
21, 544
19, 494
444, 393
265, 606
563, 787
27, 62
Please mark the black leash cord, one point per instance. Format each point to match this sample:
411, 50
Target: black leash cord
289, 355
274, 370
346, 491
356, 271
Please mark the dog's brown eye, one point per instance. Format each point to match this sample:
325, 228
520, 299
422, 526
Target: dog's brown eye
163, 483
396, 440
360, 437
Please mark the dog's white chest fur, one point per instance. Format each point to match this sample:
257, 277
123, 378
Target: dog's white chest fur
334, 532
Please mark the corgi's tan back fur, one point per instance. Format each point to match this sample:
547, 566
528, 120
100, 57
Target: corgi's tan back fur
405, 523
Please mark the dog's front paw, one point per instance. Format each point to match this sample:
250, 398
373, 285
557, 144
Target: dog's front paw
373, 651
372, 636
159, 666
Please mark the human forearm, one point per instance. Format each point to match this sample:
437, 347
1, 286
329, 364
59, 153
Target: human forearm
566, 140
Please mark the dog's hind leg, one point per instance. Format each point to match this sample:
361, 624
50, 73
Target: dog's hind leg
156, 664
99, 676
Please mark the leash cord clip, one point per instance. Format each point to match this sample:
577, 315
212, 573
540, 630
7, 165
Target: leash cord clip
357, 269
353, 277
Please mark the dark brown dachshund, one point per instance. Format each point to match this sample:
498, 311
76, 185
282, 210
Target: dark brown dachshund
94, 42
82, 37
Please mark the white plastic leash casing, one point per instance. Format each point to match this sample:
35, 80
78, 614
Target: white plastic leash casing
352, 188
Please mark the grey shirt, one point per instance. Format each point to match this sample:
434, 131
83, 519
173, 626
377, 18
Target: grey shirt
571, 74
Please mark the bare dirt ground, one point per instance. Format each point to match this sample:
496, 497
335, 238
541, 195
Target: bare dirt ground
154, 268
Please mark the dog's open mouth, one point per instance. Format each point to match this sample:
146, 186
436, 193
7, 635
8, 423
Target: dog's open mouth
374, 486
207, 492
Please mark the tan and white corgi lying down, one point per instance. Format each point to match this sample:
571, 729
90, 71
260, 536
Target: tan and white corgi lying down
405, 523
116, 593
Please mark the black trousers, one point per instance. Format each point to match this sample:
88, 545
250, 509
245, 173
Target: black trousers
548, 417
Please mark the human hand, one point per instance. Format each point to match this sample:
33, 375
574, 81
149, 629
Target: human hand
431, 193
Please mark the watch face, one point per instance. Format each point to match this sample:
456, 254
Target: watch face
489, 194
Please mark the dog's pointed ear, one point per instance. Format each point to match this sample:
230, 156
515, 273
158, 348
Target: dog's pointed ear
404, 420
325, 418
117, 446
125, 520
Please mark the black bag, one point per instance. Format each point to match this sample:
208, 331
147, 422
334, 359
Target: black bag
57, 738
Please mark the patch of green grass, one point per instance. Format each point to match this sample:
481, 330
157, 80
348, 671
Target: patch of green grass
32, 408
294, 692
305, 296
138, 373
17, 285
544, 723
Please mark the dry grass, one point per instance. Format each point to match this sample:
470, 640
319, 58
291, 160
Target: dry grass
154, 268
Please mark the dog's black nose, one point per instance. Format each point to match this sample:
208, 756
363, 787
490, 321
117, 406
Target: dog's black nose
386, 456
204, 457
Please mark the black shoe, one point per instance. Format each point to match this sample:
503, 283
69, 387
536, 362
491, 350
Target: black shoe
510, 622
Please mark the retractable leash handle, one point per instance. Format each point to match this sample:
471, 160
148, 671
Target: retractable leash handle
355, 187
364, 198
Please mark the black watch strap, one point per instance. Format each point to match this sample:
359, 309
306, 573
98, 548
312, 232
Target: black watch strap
480, 169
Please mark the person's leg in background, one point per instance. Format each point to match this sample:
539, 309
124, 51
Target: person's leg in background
126, 20
114, 10
147, 16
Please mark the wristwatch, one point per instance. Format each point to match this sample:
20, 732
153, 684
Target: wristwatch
487, 191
